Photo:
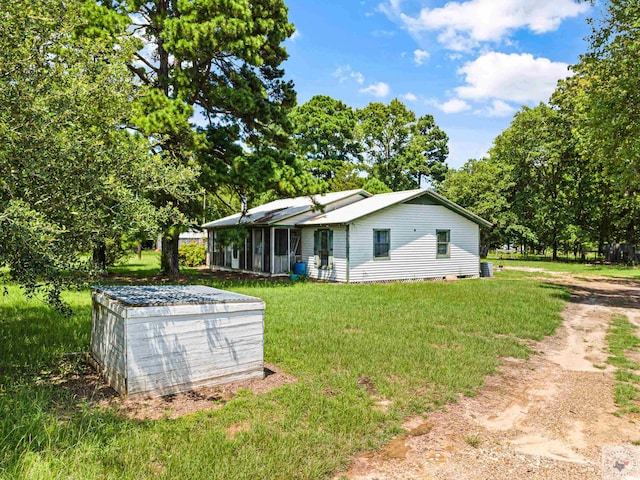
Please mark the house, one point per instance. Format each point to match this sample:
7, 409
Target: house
192, 236
352, 236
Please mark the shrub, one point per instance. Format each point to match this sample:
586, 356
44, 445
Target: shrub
191, 254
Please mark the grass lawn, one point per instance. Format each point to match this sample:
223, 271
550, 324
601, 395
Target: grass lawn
622, 339
420, 345
570, 267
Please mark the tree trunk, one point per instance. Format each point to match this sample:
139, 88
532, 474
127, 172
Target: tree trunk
139, 250
100, 255
555, 250
169, 256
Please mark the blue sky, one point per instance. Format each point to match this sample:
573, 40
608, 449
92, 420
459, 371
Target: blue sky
469, 63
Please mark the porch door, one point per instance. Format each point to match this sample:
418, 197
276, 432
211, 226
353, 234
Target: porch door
281, 250
235, 257
258, 249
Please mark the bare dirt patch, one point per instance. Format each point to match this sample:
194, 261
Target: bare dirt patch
544, 418
87, 387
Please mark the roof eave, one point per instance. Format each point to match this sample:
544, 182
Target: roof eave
361, 192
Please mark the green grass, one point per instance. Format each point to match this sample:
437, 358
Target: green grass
622, 338
569, 267
420, 344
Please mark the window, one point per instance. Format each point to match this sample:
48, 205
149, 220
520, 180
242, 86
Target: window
381, 243
323, 247
442, 238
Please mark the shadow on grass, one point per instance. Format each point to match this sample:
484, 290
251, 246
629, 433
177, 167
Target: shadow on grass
40, 410
621, 293
563, 292
201, 276
34, 337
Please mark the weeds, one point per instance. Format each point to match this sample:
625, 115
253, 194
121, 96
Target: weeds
418, 345
473, 440
622, 338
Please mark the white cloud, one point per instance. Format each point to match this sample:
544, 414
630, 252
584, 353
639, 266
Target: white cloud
295, 35
463, 25
419, 56
499, 108
409, 97
455, 105
517, 78
378, 90
358, 77
345, 73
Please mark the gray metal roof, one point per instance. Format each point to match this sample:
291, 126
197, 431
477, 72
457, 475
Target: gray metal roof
145, 296
277, 211
367, 206
300, 210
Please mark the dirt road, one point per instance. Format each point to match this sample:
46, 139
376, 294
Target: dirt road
548, 417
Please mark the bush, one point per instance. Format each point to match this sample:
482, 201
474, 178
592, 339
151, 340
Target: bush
191, 254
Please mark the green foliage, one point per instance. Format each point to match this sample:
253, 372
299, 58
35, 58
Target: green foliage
485, 188
604, 98
538, 151
70, 175
324, 135
220, 60
373, 185
400, 149
192, 254
567, 172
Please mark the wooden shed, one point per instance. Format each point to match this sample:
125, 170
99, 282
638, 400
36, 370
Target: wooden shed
158, 340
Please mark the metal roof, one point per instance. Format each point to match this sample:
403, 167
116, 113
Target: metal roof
301, 210
275, 212
354, 211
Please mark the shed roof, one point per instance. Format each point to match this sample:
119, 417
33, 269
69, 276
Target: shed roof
279, 210
367, 206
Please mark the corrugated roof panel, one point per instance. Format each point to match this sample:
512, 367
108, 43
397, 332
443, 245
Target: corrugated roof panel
365, 207
278, 210
362, 208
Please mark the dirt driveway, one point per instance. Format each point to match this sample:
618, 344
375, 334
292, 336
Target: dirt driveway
548, 417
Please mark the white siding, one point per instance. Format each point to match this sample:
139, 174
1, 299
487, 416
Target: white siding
108, 344
339, 271
170, 354
158, 350
413, 245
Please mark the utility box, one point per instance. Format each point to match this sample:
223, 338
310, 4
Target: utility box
486, 269
167, 339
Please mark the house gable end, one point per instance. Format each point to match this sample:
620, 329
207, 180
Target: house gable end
432, 198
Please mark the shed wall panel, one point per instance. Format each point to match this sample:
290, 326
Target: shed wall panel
146, 384
182, 350
108, 342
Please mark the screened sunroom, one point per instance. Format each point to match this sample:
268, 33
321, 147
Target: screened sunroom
270, 250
